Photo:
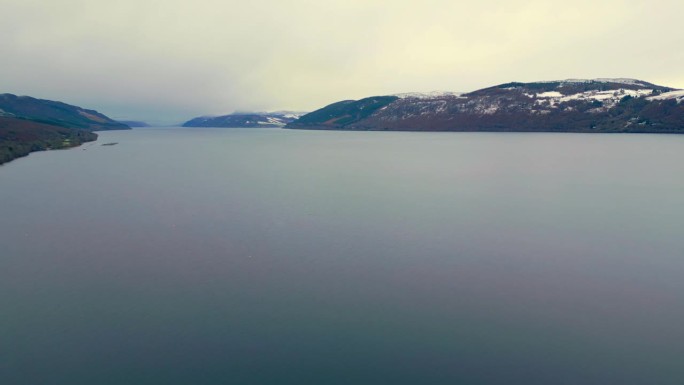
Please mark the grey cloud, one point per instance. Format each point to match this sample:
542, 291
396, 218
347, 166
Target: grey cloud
171, 60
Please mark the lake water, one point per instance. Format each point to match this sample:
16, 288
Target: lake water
267, 256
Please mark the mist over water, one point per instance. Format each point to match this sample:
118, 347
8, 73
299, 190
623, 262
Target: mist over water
267, 256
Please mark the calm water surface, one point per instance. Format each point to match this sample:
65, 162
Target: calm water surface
236, 256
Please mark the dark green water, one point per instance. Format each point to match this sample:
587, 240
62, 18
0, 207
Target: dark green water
231, 256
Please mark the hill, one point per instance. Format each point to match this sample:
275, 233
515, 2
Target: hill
19, 137
573, 105
253, 119
56, 113
28, 124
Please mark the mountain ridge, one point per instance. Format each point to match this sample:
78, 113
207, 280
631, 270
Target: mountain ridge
571, 105
56, 113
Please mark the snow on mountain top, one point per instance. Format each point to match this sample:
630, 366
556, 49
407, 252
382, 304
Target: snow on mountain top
678, 94
427, 95
284, 114
289, 114
627, 81
632, 82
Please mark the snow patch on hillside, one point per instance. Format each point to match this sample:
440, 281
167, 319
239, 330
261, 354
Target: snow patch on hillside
608, 99
677, 95
273, 121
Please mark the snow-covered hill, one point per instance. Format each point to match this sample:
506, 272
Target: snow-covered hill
248, 119
578, 105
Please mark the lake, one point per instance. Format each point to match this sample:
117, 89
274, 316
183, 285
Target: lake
269, 256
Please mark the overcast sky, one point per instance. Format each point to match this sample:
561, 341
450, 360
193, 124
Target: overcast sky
170, 60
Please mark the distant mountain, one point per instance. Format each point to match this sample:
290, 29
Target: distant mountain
573, 105
254, 119
134, 123
28, 124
